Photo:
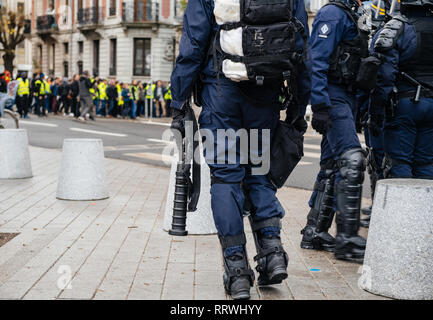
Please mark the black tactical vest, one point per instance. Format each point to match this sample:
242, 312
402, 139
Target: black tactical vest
269, 32
420, 65
345, 61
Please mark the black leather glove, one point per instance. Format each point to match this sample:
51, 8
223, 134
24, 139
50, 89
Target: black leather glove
301, 125
375, 124
178, 122
321, 121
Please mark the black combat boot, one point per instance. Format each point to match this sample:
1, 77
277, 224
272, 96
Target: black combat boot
272, 261
271, 258
367, 210
319, 220
348, 244
365, 223
238, 276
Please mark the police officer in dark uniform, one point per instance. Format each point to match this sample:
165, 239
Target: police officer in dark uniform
229, 105
337, 45
406, 42
379, 14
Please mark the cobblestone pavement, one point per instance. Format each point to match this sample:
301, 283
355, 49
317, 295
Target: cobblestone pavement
116, 248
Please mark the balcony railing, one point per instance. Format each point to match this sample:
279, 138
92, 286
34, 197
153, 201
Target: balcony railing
90, 16
47, 23
139, 13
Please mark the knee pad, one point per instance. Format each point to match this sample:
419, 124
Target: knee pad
352, 164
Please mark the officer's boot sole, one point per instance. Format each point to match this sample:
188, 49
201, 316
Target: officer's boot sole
349, 256
317, 245
364, 223
276, 277
239, 295
244, 295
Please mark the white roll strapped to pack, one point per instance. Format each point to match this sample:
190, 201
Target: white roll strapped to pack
228, 11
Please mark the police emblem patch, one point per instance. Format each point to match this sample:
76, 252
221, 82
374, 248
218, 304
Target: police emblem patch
324, 30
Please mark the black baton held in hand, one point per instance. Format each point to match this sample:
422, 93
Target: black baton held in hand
186, 190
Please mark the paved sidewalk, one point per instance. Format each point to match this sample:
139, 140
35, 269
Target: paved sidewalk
116, 248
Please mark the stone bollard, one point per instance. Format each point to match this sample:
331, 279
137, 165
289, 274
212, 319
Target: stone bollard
82, 174
399, 256
200, 221
14, 154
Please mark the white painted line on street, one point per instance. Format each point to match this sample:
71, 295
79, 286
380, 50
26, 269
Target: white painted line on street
43, 124
312, 155
159, 141
156, 123
150, 156
312, 146
304, 163
100, 132
126, 147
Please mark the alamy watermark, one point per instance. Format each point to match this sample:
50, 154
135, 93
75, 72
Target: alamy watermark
223, 146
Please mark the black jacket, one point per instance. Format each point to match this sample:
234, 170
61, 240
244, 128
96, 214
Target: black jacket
64, 89
112, 92
75, 88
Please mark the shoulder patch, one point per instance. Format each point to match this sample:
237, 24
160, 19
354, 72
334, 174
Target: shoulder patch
324, 30
389, 35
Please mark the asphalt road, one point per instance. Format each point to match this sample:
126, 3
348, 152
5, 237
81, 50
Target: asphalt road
141, 141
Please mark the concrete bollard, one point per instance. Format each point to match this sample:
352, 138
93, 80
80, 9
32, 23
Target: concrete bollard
399, 256
200, 221
82, 173
14, 154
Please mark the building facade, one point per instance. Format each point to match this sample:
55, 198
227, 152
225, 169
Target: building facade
122, 39
23, 52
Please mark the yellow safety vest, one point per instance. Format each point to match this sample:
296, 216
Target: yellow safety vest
23, 87
136, 95
92, 90
153, 90
102, 91
47, 87
167, 95
41, 87
119, 92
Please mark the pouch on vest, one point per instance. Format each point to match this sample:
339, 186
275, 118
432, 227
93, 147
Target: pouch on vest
367, 75
256, 40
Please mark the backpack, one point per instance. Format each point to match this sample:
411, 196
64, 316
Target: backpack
256, 40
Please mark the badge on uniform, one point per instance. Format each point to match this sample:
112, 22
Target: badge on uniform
324, 30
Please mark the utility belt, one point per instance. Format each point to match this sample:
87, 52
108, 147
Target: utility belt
422, 89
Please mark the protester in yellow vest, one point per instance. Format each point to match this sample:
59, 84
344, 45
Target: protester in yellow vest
23, 95
102, 94
40, 96
168, 99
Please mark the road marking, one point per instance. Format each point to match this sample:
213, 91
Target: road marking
126, 147
43, 124
150, 156
312, 146
99, 132
304, 163
312, 155
156, 123
159, 141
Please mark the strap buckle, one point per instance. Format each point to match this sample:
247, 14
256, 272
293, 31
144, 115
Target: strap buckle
260, 80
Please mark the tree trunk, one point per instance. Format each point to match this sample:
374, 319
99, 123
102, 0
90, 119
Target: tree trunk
8, 59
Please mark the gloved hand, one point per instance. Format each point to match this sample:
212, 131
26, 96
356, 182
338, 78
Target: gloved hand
321, 121
178, 122
375, 124
301, 125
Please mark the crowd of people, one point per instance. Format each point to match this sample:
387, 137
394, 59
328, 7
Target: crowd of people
85, 97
